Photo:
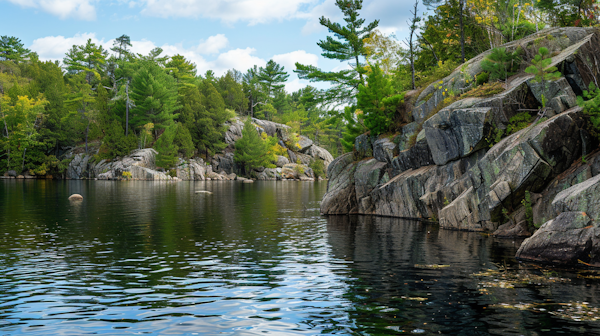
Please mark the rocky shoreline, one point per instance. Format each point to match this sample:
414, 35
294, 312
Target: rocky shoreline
543, 176
140, 164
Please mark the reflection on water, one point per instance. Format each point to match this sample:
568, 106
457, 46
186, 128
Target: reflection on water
157, 258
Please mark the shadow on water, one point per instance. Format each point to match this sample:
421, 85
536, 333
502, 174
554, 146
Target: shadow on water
158, 258
415, 278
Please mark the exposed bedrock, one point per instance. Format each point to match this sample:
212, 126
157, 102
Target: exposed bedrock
448, 169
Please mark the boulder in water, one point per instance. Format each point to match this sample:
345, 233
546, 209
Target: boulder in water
75, 197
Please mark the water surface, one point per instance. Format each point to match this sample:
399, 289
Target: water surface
252, 259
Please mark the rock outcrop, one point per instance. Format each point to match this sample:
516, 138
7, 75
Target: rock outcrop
450, 169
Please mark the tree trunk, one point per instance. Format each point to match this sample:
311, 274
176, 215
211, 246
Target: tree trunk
87, 130
127, 109
462, 33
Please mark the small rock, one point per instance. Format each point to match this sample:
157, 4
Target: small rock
75, 197
248, 181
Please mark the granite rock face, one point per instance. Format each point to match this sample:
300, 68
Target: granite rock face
569, 238
340, 198
452, 134
449, 168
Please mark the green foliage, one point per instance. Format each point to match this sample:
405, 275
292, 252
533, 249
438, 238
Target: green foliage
516, 123
127, 175
298, 168
540, 67
183, 140
88, 58
318, 168
526, 202
500, 64
155, 95
591, 106
115, 143
346, 45
12, 49
272, 77
251, 151
370, 99
354, 127
166, 148
482, 78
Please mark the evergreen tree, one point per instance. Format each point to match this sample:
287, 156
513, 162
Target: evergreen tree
155, 96
543, 73
232, 91
272, 77
166, 148
120, 46
370, 99
89, 58
347, 45
251, 150
11, 49
354, 127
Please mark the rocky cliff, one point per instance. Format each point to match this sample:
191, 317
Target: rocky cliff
139, 165
456, 173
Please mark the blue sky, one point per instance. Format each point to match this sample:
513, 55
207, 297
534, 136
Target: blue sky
215, 34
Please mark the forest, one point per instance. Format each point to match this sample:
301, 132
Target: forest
109, 102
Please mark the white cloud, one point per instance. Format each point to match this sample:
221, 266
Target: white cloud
78, 9
54, 47
213, 44
239, 59
229, 11
289, 60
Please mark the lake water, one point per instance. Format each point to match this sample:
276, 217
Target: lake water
253, 259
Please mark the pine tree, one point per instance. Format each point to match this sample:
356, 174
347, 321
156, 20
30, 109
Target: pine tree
272, 77
370, 99
166, 148
89, 58
250, 150
347, 45
155, 96
543, 73
11, 49
354, 127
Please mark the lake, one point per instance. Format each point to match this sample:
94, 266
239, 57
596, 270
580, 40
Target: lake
156, 258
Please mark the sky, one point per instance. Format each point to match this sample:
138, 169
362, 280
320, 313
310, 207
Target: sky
216, 35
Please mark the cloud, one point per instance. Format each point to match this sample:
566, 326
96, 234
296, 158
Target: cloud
229, 11
289, 60
77, 9
52, 48
213, 44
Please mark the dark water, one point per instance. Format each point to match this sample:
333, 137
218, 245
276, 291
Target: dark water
253, 259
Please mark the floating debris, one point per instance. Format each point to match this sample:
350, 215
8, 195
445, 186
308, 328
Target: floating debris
431, 266
576, 311
505, 278
414, 298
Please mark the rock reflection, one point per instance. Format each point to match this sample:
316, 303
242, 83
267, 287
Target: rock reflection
391, 290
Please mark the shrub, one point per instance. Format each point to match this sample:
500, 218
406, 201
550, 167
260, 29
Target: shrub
591, 106
318, 168
127, 175
500, 64
483, 78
